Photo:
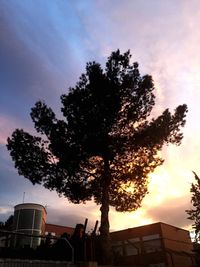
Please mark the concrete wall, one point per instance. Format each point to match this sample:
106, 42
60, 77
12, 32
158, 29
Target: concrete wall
176, 239
38, 263
33, 263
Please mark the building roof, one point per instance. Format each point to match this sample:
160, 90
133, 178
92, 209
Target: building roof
58, 229
150, 225
33, 206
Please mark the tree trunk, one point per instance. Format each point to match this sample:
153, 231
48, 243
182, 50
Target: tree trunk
105, 242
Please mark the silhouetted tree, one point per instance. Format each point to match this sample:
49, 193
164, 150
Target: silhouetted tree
7, 225
2, 225
107, 144
194, 213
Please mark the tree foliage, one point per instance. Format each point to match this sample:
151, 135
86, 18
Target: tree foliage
8, 224
106, 145
194, 213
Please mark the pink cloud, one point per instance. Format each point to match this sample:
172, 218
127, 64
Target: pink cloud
7, 126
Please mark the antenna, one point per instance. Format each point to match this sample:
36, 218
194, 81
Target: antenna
23, 197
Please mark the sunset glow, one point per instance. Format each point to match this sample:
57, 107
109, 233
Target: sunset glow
44, 49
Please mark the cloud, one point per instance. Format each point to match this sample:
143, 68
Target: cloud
5, 209
171, 212
5, 212
71, 216
8, 124
60, 211
163, 36
37, 55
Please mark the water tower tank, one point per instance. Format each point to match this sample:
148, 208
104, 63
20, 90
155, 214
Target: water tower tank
29, 218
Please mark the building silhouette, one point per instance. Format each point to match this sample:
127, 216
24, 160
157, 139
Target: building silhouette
154, 245
30, 219
157, 244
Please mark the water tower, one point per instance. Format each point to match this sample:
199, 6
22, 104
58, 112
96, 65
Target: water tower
29, 218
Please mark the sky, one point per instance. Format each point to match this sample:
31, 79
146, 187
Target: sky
44, 47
